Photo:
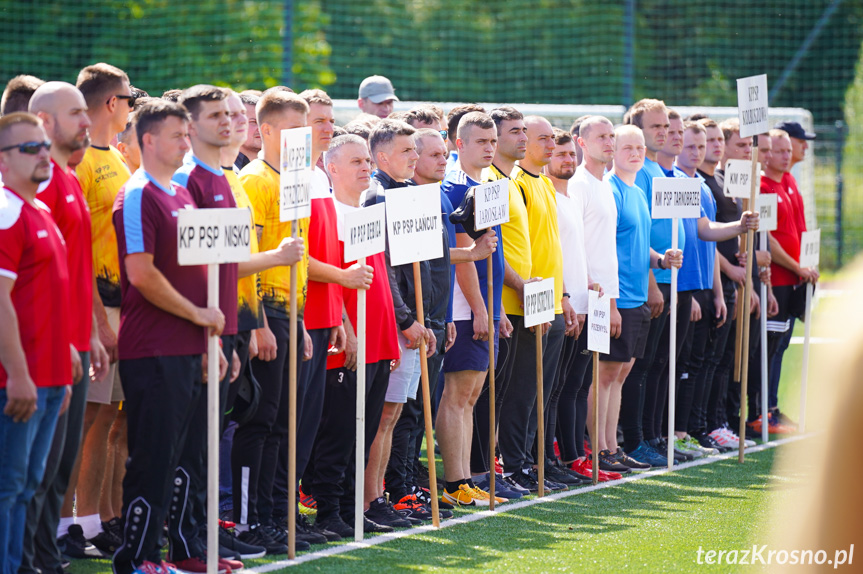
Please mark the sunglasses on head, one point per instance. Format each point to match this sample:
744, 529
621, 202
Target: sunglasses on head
129, 99
29, 148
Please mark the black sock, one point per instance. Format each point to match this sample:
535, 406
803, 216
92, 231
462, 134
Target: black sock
469, 482
453, 486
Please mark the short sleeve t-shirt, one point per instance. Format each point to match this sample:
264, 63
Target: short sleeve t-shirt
786, 232
633, 242
455, 186
727, 210
33, 255
600, 228
69, 210
706, 249
796, 200
571, 223
324, 309
145, 217
102, 173
443, 292
660, 229
250, 312
210, 189
261, 182
546, 253
689, 276
515, 234
382, 334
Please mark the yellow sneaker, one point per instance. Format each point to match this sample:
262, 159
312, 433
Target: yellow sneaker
464, 496
480, 493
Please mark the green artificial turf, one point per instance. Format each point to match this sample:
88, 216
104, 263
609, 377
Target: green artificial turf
652, 525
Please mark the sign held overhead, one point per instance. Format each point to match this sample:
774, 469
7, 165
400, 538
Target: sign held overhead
752, 105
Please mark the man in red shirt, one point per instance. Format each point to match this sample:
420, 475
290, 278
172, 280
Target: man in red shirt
63, 111
164, 323
330, 478
35, 371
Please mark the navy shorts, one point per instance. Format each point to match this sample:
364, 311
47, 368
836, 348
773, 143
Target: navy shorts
468, 354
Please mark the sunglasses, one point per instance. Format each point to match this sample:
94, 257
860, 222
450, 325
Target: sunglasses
29, 148
444, 133
129, 99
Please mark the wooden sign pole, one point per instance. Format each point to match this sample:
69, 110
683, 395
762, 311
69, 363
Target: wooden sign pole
424, 381
747, 295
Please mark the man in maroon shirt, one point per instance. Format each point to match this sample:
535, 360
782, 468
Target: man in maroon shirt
35, 371
164, 323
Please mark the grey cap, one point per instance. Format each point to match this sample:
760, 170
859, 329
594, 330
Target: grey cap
377, 89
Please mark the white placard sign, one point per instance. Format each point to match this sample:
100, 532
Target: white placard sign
676, 197
765, 206
217, 235
598, 323
491, 203
737, 178
810, 248
295, 178
365, 232
752, 105
538, 302
414, 224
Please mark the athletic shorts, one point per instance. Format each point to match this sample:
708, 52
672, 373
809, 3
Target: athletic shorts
784, 295
468, 354
635, 324
108, 390
405, 380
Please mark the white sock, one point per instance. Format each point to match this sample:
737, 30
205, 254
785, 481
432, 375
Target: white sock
241, 528
65, 523
91, 525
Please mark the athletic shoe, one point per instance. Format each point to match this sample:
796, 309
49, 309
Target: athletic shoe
382, 513
257, 535
708, 441
736, 439
584, 467
551, 485
628, 461
513, 485
106, 541
481, 494
694, 445
564, 468
661, 445
229, 540
114, 525
306, 533
372, 527
197, 564
782, 419
74, 545
307, 504
336, 525
498, 467
409, 507
152, 568
555, 473
723, 439
281, 535
607, 462
646, 454
682, 446
587, 449
463, 496
424, 496
501, 487
778, 428
524, 480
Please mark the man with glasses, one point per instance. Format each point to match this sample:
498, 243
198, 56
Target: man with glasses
34, 352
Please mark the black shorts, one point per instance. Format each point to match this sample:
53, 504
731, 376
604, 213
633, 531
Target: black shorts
635, 324
784, 297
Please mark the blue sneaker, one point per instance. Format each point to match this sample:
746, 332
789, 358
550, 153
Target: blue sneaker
501, 488
648, 455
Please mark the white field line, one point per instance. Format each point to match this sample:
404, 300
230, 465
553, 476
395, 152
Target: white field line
473, 517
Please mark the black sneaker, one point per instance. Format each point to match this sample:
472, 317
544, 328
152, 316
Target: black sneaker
421, 474
628, 461
371, 527
549, 485
383, 513
423, 496
306, 534
608, 462
106, 541
660, 445
257, 535
555, 473
708, 441
74, 545
335, 525
115, 525
229, 540
281, 535
328, 534
524, 480
514, 486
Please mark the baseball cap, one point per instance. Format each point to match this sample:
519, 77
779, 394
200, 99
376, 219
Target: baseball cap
795, 130
377, 89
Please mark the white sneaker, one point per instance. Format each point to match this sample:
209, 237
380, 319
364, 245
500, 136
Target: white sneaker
724, 439
736, 439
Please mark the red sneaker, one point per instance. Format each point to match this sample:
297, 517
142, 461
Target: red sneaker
198, 565
587, 450
584, 467
498, 467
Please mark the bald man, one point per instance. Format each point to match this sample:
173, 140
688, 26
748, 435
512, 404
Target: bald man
63, 111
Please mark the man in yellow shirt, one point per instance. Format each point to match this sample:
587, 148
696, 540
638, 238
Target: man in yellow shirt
256, 443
